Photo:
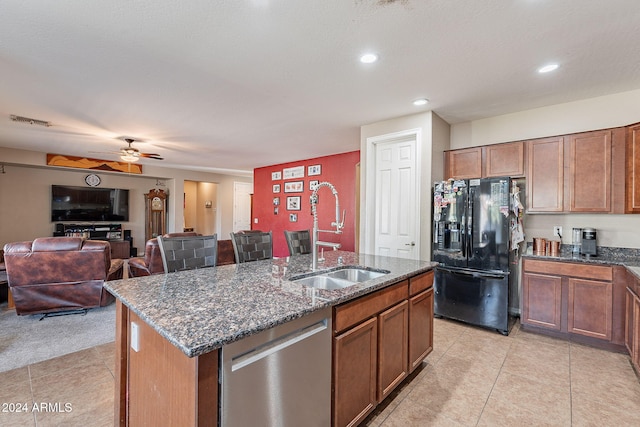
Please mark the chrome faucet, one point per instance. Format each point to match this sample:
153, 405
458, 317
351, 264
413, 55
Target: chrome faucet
337, 224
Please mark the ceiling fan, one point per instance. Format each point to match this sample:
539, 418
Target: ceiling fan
130, 154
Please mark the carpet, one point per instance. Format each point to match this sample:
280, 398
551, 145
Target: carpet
27, 339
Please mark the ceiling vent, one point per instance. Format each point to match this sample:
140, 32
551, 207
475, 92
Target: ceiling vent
30, 121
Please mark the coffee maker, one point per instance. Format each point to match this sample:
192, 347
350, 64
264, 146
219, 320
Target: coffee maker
588, 246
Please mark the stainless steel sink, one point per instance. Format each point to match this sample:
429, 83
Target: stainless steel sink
339, 279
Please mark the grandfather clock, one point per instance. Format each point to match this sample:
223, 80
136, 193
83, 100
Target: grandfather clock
156, 213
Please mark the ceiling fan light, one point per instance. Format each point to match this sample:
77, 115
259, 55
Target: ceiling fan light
129, 158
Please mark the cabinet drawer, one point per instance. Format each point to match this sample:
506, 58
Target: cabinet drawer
420, 283
356, 311
587, 271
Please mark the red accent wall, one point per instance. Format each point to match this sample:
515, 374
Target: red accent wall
339, 170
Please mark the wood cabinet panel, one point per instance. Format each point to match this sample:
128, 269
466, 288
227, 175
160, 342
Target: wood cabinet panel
463, 164
420, 283
589, 308
393, 335
355, 368
352, 313
420, 327
545, 175
590, 172
629, 323
632, 202
587, 271
504, 160
541, 300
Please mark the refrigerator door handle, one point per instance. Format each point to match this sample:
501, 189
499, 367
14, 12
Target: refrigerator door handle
469, 252
473, 273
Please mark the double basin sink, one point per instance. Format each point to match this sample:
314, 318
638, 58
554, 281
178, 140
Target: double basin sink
340, 278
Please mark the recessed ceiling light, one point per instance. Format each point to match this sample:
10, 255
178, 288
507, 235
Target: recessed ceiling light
419, 102
547, 68
368, 58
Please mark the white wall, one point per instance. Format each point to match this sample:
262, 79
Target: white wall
434, 134
590, 114
25, 193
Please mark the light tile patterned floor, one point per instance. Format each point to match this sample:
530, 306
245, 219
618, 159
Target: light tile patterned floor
474, 377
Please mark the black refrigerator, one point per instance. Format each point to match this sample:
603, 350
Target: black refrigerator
472, 224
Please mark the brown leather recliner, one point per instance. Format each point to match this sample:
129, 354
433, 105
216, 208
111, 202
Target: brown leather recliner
151, 262
53, 274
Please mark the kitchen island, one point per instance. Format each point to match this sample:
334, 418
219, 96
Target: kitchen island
172, 329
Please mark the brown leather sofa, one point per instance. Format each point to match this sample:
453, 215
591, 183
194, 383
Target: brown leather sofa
55, 274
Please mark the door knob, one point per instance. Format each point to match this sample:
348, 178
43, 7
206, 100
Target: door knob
410, 244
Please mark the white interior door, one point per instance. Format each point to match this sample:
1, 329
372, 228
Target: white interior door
396, 199
242, 206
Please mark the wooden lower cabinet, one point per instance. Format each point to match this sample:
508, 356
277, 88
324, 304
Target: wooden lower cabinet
420, 327
378, 340
393, 333
542, 297
580, 301
355, 362
589, 308
632, 328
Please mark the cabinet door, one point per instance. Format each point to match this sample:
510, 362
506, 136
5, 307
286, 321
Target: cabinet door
590, 305
541, 300
590, 172
354, 370
504, 160
420, 327
629, 331
633, 170
545, 175
635, 354
393, 334
463, 164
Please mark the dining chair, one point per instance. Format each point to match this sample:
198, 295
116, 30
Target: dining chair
188, 252
252, 246
298, 242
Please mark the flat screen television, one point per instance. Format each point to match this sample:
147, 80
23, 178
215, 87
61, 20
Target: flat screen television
70, 203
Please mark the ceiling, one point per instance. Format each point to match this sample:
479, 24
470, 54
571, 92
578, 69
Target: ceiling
230, 85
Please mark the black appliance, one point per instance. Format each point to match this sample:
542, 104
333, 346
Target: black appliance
589, 245
472, 242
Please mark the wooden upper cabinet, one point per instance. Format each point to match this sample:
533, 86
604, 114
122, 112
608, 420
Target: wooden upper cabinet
590, 172
504, 160
463, 164
632, 204
545, 175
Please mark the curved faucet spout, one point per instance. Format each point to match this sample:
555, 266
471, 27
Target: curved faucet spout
337, 224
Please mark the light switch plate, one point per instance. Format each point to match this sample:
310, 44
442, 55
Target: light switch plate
135, 337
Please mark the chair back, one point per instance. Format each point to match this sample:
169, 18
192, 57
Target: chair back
252, 246
299, 242
188, 252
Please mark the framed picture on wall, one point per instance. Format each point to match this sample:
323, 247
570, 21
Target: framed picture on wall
294, 172
314, 170
294, 187
276, 188
293, 203
293, 217
276, 176
313, 184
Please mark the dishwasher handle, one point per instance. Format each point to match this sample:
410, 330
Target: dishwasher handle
275, 345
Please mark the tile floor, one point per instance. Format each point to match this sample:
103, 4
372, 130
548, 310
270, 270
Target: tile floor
473, 377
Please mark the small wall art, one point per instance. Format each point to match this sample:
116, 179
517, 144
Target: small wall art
294, 187
314, 170
313, 184
276, 176
276, 188
293, 217
294, 172
293, 203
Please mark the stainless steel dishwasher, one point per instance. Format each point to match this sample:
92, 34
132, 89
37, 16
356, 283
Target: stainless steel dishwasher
279, 377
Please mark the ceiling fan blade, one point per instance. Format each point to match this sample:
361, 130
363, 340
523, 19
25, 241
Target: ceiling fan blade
151, 156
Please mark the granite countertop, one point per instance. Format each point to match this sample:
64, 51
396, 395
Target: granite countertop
201, 310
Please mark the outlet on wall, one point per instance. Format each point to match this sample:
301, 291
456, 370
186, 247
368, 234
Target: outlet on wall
557, 231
